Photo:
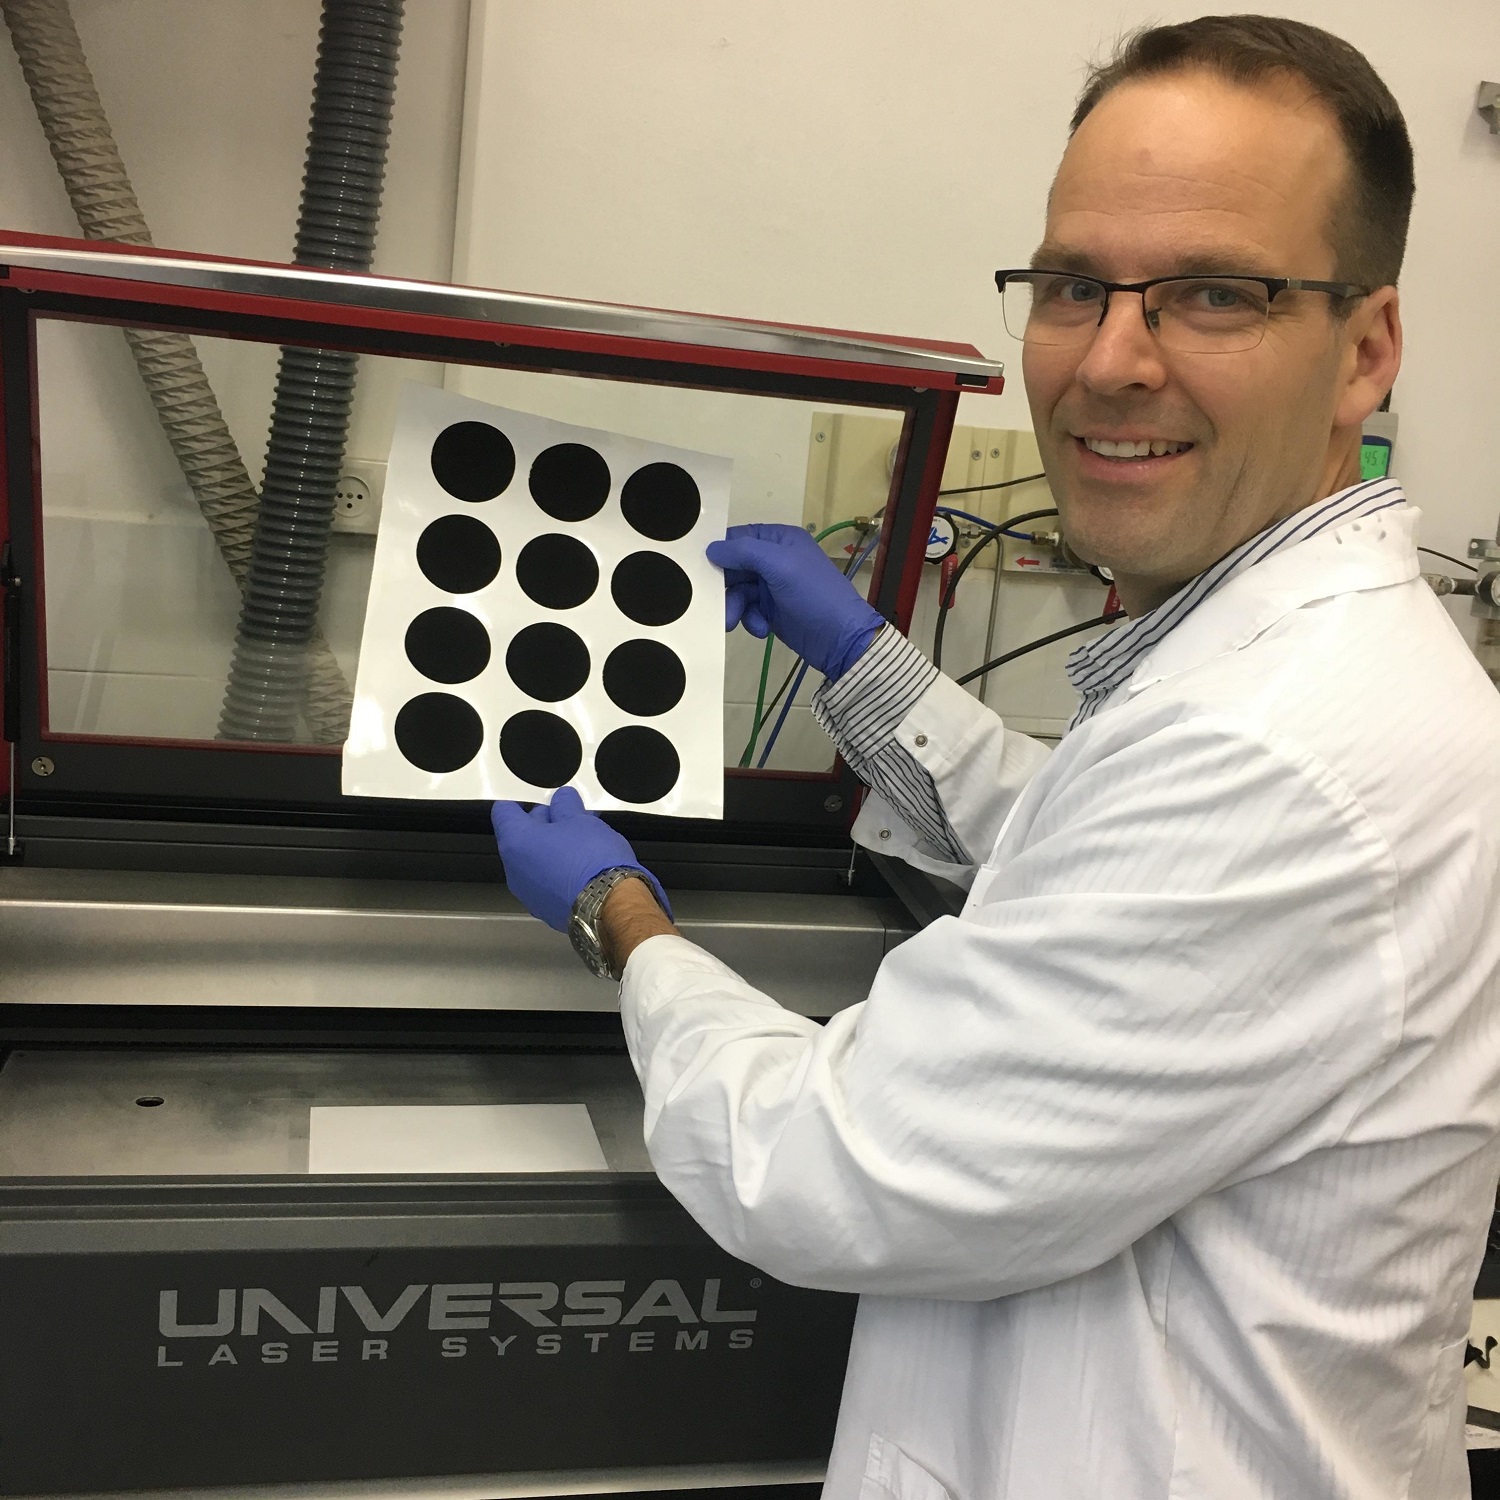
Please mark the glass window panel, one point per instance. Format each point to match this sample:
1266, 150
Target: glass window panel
140, 606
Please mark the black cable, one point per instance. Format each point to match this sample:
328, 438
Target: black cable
1458, 561
1046, 640
770, 707
945, 601
1005, 484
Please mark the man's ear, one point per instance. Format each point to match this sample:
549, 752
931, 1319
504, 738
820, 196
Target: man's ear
1371, 356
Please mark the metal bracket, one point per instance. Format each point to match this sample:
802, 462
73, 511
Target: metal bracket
1488, 105
1486, 556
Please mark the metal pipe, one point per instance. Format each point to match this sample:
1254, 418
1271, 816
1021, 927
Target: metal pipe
353, 91
989, 632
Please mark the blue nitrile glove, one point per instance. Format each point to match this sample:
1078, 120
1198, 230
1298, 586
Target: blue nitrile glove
551, 853
777, 578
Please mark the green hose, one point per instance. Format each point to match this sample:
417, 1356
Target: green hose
760, 699
757, 723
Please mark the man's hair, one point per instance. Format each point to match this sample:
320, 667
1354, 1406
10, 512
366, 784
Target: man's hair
1370, 218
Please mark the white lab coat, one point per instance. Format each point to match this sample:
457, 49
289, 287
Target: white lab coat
1165, 1168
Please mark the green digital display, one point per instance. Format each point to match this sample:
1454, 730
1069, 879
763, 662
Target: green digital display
1374, 458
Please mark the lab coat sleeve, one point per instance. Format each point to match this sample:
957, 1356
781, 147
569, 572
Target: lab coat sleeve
1180, 979
943, 768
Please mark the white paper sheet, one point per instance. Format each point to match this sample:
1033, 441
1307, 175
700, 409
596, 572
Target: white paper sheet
441, 1138
400, 592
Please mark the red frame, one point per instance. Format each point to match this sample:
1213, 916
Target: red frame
947, 386
158, 294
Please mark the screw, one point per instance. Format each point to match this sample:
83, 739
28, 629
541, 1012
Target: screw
820, 437
835, 803
976, 454
994, 453
41, 766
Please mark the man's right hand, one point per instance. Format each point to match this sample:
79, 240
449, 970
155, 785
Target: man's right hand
778, 580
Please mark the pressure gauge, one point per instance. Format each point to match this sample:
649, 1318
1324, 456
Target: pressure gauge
942, 538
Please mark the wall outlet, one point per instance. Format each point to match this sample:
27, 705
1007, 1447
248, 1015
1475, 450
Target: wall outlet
357, 496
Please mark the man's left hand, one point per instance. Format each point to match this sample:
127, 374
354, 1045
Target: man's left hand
551, 853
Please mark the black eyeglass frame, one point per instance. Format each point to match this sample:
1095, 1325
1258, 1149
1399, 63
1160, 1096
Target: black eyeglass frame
1274, 285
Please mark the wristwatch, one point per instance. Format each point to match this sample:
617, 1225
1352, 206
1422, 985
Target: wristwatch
583, 925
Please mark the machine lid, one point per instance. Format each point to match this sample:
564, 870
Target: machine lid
836, 429
917, 362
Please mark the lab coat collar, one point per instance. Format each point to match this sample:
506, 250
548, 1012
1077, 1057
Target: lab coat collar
1360, 538
1370, 552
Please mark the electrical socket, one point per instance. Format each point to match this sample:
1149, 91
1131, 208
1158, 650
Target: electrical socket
358, 495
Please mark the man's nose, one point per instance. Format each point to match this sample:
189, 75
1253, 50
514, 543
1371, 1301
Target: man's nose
1124, 352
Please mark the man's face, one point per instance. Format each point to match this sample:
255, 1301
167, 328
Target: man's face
1176, 175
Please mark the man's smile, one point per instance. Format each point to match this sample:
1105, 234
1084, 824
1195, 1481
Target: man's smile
1130, 459
1139, 447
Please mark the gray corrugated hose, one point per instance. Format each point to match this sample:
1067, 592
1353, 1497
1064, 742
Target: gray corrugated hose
355, 85
67, 104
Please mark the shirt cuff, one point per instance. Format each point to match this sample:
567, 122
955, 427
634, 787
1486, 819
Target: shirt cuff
865, 707
863, 711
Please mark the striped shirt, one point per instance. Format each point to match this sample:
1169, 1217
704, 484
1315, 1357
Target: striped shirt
862, 710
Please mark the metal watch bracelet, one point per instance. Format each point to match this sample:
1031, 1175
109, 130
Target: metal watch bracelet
583, 925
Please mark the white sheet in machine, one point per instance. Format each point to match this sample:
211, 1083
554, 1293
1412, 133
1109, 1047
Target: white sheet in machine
442, 1138
541, 613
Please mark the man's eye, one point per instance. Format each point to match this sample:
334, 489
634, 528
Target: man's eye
1222, 296
1065, 292
1217, 297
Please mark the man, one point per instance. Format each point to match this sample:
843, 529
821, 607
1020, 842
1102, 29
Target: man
1164, 1167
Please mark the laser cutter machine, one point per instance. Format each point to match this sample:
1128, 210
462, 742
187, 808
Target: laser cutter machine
203, 943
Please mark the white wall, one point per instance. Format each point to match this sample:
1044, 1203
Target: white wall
868, 164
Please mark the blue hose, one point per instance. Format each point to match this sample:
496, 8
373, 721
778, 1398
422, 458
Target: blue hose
964, 515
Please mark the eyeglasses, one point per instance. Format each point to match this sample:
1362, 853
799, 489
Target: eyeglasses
1191, 314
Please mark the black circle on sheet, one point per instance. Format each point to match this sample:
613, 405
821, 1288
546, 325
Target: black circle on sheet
644, 678
661, 501
458, 554
438, 732
636, 764
473, 461
556, 571
547, 661
447, 644
540, 748
651, 589
570, 481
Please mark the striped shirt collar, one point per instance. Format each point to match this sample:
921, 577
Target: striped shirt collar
1097, 668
